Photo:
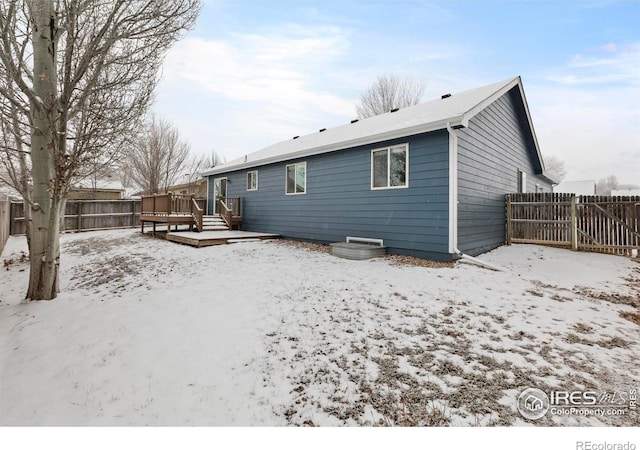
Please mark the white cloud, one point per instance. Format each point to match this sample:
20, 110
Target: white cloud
609, 63
276, 81
276, 68
587, 113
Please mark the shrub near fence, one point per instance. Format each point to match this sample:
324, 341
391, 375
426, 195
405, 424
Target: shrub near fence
5, 221
85, 215
594, 223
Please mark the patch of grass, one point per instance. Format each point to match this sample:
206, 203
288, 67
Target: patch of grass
447, 311
97, 245
560, 298
401, 260
535, 293
583, 328
611, 342
612, 297
631, 316
310, 246
114, 274
479, 394
448, 367
520, 335
22, 258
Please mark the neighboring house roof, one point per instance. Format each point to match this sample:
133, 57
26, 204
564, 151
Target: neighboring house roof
456, 110
584, 187
102, 184
9, 192
625, 192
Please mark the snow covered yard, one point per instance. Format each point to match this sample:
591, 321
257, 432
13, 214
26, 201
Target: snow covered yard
148, 332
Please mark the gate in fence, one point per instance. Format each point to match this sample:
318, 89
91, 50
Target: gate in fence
594, 223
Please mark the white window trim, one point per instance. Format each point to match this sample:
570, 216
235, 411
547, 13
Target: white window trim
522, 181
296, 181
256, 172
406, 165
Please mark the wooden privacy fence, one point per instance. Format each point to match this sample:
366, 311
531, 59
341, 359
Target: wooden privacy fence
5, 220
85, 215
593, 223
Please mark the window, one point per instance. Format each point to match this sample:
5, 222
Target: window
522, 182
252, 180
389, 167
297, 178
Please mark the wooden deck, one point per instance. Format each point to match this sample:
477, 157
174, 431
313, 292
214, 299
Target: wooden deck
208, 238
167, 219
171, 209
175, 210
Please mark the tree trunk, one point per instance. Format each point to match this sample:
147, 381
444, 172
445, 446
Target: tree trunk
44, 242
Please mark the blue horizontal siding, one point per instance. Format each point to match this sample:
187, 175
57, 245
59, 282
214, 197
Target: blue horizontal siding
340, 202
490, 152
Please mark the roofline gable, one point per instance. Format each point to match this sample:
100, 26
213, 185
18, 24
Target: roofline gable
402, 129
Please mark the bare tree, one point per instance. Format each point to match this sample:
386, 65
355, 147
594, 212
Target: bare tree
213, 159
197, 164
554, 168
158, 159
75, 76
604, 186
389, 92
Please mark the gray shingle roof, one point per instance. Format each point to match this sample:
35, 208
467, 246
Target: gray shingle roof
455, 110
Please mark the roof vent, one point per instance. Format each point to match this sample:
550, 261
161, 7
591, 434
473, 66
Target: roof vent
394, 109
245, 158
322, 129
354, 120
296, 137
446, 96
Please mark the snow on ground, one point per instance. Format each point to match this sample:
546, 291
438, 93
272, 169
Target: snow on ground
149, 332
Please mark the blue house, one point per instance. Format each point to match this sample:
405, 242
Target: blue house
430, 180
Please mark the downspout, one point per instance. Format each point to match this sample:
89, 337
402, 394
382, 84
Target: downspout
453, 203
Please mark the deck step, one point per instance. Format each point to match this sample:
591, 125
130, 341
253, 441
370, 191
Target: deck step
214, 223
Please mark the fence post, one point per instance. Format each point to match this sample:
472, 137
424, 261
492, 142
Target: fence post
574, 224
79, 224
509, 216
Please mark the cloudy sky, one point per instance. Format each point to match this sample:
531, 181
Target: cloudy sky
253, 73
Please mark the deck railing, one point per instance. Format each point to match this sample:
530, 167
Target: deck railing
174, 205
165, 204
197, 213
231, 210
156, 205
